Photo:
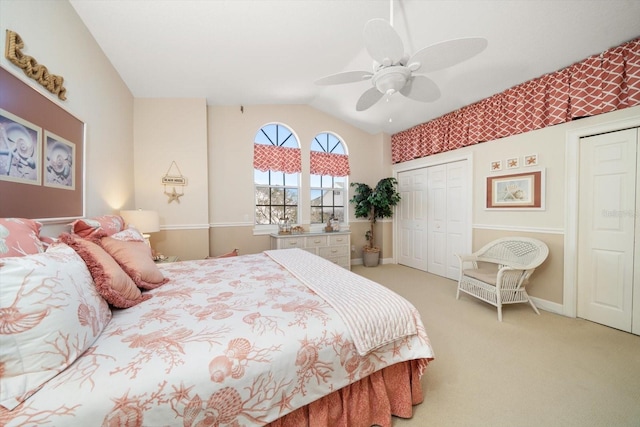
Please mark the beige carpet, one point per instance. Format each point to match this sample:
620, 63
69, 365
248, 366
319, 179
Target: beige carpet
529, 370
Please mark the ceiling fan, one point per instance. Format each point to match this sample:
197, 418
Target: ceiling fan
396, 71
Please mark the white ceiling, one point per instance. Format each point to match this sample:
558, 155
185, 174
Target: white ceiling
242, 52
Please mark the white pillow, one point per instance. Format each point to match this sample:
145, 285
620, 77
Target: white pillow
130, 234
51, 313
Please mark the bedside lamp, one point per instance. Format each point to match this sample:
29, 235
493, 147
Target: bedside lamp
144, 221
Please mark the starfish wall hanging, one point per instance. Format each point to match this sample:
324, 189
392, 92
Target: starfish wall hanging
174, 195
169, 179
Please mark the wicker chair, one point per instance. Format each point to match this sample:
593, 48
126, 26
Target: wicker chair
505, 267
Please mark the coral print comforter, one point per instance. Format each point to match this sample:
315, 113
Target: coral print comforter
236, 341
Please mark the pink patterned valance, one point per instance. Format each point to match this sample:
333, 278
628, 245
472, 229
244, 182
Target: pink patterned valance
281, 159
329, 164
599, 84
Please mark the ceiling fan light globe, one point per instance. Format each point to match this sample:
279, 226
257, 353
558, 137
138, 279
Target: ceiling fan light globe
414, 66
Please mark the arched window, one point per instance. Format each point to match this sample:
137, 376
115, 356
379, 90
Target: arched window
277, 166
328, 180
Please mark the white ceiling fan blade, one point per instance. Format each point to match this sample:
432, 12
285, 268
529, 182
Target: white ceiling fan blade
421, 88
346, 77
368, 98
445, 54
383, 42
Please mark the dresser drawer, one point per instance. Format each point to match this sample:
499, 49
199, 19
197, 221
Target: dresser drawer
291, 242
316, 241
340, 239
334, 251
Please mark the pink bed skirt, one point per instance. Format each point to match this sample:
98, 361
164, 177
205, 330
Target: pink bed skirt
370, 401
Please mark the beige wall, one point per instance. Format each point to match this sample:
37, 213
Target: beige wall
167, 131
54, 35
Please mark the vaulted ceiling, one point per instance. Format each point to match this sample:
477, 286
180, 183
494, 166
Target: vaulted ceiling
241, 52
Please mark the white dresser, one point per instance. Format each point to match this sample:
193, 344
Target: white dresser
335, 246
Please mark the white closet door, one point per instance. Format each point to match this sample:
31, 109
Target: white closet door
437, 224
606, 228
411, 220
432, 221
457, 217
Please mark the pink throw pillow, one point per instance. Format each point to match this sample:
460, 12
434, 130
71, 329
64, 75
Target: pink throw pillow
136, 260
87, 227
112, 282
52, 314
19, 237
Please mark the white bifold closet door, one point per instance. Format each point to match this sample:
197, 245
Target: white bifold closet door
609, 229
433, 222
411, 219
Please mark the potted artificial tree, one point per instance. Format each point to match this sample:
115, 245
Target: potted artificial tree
374, 203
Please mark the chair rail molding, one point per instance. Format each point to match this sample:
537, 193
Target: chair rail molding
539, 230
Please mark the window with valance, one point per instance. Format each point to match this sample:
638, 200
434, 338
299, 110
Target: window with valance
329, 167
277, 165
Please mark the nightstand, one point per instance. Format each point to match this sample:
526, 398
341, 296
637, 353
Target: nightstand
172, 258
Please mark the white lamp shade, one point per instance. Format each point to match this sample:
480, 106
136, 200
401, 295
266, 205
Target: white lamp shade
144, 221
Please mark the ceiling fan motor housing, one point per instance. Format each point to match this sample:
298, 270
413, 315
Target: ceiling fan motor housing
391, 79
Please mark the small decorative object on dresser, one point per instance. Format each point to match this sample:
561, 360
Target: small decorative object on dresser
284, 226
333, 224
333, 246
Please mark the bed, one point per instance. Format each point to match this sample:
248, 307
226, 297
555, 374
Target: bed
280, 338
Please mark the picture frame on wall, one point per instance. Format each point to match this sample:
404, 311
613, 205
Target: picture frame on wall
20, 149
520, 191
531, 160
60, 156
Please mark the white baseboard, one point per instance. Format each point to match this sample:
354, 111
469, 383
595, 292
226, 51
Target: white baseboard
358, 261
549, 306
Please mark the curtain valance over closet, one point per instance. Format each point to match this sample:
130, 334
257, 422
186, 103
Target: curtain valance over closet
599, 84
